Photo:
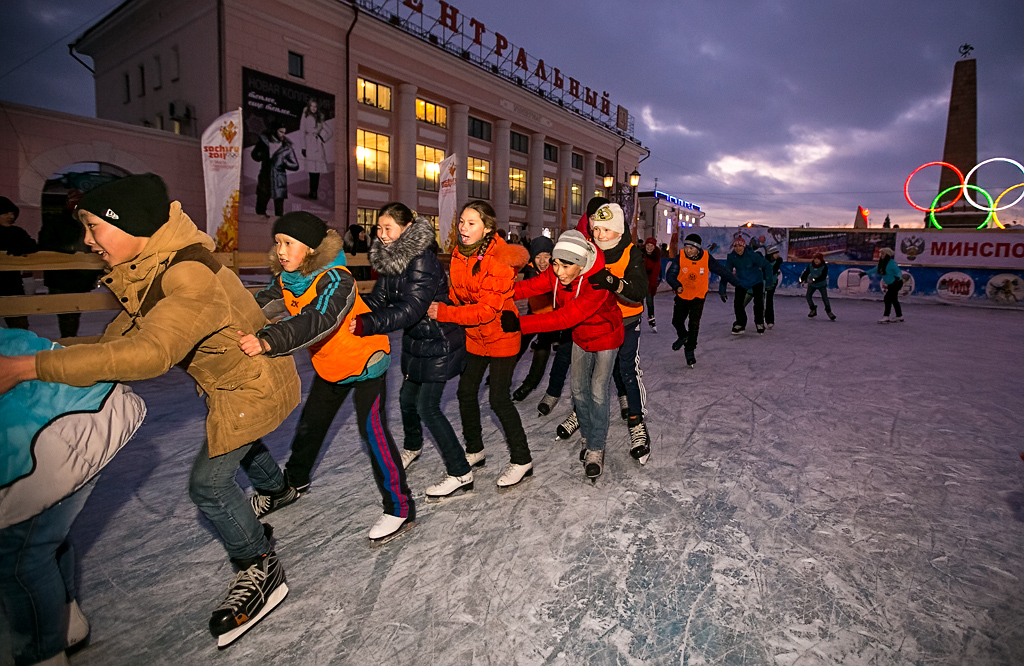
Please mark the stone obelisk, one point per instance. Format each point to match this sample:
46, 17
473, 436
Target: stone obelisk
961, 149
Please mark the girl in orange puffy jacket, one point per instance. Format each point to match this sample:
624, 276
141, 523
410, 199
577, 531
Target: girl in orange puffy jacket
483, 275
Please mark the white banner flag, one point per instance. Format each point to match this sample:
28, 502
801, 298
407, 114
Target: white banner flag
222, 171
448, 205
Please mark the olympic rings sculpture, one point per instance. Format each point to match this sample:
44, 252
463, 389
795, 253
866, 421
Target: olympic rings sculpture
963, 190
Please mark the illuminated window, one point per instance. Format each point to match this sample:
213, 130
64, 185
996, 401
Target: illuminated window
366, 217
434, 223
373, 94
373, 156
517, 186
519, 142
428, 112
479, 176
550, 153
577, 161
428, 168
480, 129
598, 193
550, 196
577, 200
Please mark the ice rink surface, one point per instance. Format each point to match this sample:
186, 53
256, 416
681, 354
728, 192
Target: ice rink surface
827, 493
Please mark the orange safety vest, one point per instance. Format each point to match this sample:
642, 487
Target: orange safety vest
340, 355
618, 269
694, 276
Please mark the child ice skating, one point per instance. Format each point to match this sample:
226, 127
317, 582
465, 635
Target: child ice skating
652, 266
816, 277
540, 260
181, 306
597, 333
411, 278
689, 276
319, 296
771, 253
892, 281
483, 273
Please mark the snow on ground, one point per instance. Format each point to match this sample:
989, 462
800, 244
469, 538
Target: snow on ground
828, 493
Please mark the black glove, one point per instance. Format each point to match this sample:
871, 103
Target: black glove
724, 297
603, 279
509, 321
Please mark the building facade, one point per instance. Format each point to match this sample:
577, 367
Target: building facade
407, 82
666, 217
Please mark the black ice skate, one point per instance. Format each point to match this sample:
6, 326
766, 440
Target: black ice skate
639, 440
593, 464
813, 313
760, 328
653, 325
258, 588
831, 315
522, 392
624, 407
691, 360
547, 403
567, 427
264, 503
737, 329
678, 344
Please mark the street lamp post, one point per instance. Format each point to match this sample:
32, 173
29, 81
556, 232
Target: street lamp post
625, 196
634, 181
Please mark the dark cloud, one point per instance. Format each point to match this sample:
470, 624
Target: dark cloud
777, 112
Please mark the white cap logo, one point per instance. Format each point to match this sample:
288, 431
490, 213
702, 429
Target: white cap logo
111, 214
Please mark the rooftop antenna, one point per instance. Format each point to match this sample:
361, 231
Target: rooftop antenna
965, 50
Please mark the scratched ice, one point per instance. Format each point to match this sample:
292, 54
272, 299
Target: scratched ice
828, 493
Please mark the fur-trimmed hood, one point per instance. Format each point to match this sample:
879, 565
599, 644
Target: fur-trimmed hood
323, 258
510, 254
393, 258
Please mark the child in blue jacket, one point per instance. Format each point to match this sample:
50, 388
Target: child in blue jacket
892, 278
816, 277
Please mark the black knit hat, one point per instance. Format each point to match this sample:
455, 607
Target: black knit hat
693, 239
8, 206
304, 227
137, 205
594, 204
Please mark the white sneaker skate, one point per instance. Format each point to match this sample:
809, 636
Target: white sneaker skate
514, 473
388, 527
449, 485
884, 320
408, 456
476, 459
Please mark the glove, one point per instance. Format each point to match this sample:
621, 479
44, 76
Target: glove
303, 152
603, 279
509, 321
725, 298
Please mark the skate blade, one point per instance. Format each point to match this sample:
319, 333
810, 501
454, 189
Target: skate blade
458, 492
276, 597
406, 526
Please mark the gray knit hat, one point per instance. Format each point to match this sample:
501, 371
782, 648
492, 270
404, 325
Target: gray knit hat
573, 247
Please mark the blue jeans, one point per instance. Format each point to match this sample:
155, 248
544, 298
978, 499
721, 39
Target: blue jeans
37, 578
213, 489
589, 380
421, 404
627, 373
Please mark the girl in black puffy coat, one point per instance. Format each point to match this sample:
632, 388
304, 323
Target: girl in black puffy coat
404, 253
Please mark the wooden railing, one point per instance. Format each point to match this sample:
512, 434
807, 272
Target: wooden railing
41, 304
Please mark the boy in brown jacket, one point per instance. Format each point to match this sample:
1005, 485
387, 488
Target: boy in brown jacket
182, 307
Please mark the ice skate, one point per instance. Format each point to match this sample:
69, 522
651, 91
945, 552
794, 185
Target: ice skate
691, 360
737, 329
639, 440
813, 313
760, 328
654, 327
884, 320
264, 503
567, 427
678, 344
770, 326
450, 485
831, 315
547, 403
408, 456
514, 473
897, 319
593, 464
476, 459
522, 392
258, 588
624, 406
388, 527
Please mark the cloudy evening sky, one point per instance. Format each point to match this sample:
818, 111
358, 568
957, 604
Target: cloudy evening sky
775, 112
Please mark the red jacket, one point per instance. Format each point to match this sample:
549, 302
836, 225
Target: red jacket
479, 299
652, 264
593, 315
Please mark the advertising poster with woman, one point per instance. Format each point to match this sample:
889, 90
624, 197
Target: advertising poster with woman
288, 147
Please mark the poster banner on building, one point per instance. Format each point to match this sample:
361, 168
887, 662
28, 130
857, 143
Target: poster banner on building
718, 240
447, 204
979, 249
288, 147
222, 170
839, 245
